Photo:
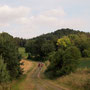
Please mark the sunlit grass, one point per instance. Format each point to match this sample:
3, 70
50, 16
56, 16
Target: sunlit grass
22, 52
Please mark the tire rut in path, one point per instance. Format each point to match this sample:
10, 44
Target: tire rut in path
42, 84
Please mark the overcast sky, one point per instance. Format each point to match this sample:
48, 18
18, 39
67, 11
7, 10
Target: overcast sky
30, 18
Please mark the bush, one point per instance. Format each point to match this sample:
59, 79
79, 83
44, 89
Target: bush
86, 53
10, 54
70, 60
55, 65
64, 62
4, 75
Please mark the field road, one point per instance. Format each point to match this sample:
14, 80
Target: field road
36, 81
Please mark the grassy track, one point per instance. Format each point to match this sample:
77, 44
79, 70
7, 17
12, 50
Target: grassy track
16, 85
34, 80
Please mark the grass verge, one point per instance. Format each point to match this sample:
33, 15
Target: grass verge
80, 80
84, 62
17, 83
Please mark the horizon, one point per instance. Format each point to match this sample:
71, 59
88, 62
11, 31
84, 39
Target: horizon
30, 18
43, 33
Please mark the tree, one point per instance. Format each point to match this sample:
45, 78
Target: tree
71, 60
20, 42
4, 74
64, 42
47, 47
56, 63
31, 47
86, 53
63, 62
81, 41
10, 54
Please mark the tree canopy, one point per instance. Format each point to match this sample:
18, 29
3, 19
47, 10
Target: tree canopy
9, 52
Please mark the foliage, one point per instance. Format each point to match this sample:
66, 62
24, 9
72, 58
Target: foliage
47, 47
63, 62
86, 53
41, 46
82, 42
4, 74
9, 52
71, 59
20, 42
84, 63
64, 42
22, 52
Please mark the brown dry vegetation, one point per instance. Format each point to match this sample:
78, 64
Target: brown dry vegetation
26, 65
80, 80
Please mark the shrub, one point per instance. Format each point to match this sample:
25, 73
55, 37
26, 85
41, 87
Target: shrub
64, 62
4, 75
10, 54
70, 60
86, 53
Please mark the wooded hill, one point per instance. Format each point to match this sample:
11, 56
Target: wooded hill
36, 46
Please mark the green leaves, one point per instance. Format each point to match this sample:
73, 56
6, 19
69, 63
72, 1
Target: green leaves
64, 42
4, 74
9, 52
64, 62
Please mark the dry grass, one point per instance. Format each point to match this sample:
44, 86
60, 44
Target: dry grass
22, 82
80, 80
26, 65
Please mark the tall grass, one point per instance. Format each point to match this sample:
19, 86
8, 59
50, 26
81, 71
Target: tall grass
80, 80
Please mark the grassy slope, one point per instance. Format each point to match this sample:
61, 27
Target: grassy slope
23, 53
80, 80
84, 62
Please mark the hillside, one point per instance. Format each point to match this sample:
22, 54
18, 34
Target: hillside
58, 34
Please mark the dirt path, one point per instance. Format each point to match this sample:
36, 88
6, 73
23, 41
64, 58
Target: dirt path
36, 81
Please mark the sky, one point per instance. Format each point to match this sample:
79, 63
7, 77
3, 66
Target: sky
31, 18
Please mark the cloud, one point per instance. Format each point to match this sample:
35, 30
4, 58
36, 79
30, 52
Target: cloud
45, 17
49, 20
23, 23
52, 18
54, 13
10, 14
